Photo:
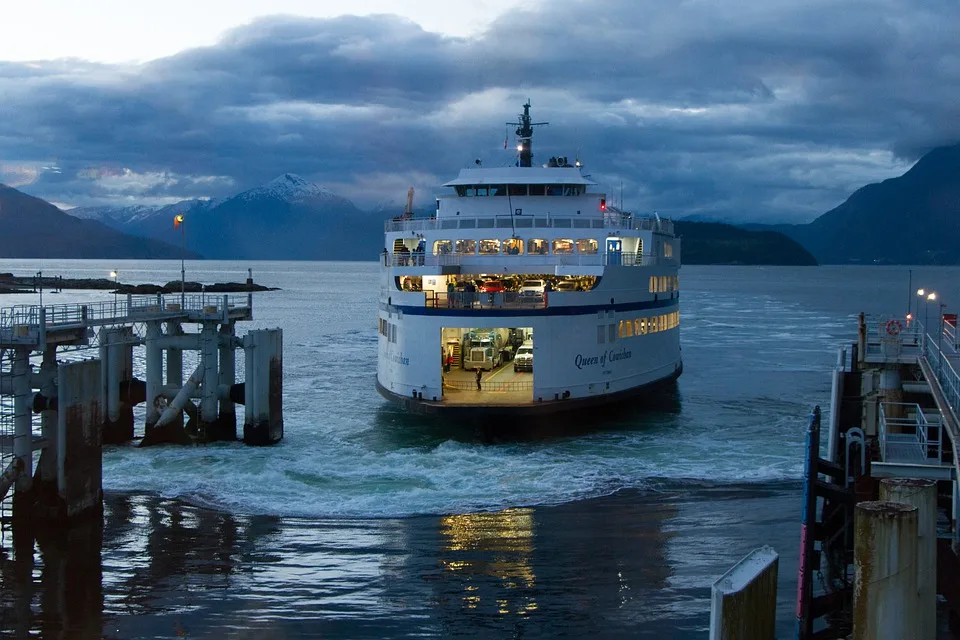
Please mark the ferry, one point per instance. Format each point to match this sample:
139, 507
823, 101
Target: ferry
526, 293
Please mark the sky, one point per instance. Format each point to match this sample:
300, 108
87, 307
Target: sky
742, 110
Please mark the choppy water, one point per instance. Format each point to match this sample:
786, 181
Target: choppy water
364, 522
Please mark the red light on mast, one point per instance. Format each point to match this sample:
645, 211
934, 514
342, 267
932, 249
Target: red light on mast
603, 204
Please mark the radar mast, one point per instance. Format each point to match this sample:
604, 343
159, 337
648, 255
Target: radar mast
525, 136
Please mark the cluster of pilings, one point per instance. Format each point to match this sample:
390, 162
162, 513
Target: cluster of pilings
85, 404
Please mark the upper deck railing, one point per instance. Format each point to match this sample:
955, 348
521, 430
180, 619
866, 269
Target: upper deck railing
909, 434
610, 221
27, 323
525, 261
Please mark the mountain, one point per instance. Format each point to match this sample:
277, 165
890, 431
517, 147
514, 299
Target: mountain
289, 218
717, 243
34, 228
911, 219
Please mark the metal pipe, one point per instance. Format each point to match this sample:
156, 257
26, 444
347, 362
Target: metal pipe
10, 475
179, 402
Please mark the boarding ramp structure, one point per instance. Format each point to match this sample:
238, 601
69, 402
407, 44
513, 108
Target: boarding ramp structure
70, 369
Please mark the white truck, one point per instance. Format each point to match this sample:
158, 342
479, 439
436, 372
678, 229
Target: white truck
484, 348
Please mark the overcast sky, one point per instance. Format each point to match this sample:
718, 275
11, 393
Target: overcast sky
764, 110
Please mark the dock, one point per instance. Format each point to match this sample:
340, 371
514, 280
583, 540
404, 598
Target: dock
879, 534
68, 385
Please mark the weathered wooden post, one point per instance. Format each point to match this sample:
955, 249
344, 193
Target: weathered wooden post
744, 599
209, 358
921, 494
22, 419
116, 358
77, 490
263, 387
227, 417
885, 571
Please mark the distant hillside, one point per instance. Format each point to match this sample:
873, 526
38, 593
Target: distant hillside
288, 218
717, 243
34, 228
912, 219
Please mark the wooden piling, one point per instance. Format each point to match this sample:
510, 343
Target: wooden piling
921, 494
744, 599
885, 571
263, 387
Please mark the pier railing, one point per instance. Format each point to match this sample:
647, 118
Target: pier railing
608, 221
27, 324
908, 434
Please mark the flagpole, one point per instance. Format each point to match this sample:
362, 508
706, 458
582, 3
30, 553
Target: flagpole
183, 273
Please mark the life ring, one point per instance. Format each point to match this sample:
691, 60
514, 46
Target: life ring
894, 327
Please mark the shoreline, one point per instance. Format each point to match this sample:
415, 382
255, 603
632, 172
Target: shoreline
11, 284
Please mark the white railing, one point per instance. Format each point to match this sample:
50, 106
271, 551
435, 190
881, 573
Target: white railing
609, 221
916, 432
945, 373
621, 258
118, 310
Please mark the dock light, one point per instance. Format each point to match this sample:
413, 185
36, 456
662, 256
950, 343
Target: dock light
920, 292
519, 147
932, 296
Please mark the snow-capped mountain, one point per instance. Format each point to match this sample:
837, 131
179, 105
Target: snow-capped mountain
289, 188
130, 217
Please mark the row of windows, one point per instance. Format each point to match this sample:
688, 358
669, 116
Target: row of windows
387, 329
521, 190
516, 246
643, 326
662, 284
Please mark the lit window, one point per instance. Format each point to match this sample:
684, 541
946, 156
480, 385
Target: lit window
466, 246
586, 245
442, 247
537, 246
562, 245
513, 246
489, 247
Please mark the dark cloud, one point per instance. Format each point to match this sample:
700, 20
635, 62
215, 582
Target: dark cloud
770, 110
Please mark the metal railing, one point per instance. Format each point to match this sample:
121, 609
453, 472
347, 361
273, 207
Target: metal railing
503, 387
618, 258
477, 300
913, 435
945, 373
547, 221
25, 322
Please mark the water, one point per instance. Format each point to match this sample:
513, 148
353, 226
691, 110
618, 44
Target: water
367, 522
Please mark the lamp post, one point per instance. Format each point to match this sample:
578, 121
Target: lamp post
931, 296
940, 338
920, 293
116, 287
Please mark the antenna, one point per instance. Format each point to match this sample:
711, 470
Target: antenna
525, 135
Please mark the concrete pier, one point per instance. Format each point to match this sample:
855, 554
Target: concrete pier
885, 571
744, 599
921, 494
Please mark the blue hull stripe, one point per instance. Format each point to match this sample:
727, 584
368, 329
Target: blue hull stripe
549, 311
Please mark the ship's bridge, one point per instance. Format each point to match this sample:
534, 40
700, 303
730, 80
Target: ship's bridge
520, 191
